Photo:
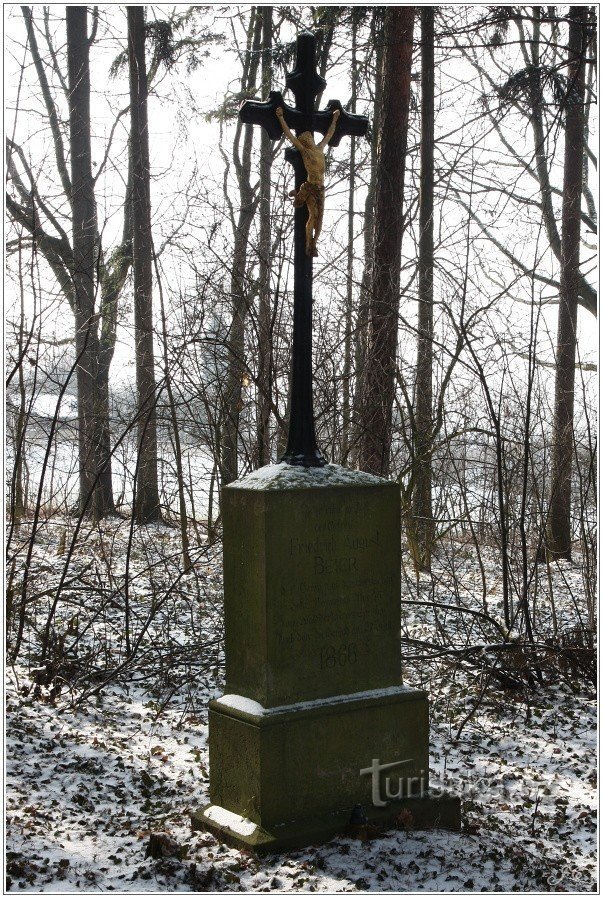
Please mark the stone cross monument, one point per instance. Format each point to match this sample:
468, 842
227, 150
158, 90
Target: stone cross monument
315, 734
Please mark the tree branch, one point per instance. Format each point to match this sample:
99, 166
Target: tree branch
29, 195
51, 109
58, 256
55, 65
587, 296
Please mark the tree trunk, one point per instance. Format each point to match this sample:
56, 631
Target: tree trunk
264, 325
361, 331
238, 280
146, 503
560, 529
105, 475
18, 500
90, 438
540, 141
379, 383
112, 280
236, 336
422, 524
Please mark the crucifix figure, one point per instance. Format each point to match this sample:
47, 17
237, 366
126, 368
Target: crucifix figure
307, 159
312, 191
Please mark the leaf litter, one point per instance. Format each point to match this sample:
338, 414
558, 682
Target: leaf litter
93, 778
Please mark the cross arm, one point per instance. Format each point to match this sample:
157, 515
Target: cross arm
348, 124
255, 112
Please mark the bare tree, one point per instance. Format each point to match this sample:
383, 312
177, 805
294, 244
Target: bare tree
560, 529
264, 375
84, 262
146, 505
525, 92
422, 514
239, 289
37, 216
361, 328
379, 385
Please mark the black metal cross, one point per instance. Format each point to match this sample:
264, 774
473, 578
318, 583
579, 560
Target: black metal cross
305, 84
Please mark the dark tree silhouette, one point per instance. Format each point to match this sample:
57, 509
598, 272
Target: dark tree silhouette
560, 531
84, 263
422, 515
379, 383
146, 506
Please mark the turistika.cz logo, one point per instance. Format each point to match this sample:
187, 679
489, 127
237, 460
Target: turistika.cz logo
395, 788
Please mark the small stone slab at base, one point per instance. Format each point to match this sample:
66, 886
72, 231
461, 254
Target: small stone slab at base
432, 811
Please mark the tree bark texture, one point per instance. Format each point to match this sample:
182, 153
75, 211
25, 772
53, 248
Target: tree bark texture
146, 505
422, 516
361, 330
264, 305
379, 386
560, 529
90, 431
239, 291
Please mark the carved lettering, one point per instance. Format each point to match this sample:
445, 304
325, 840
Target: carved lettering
323, 565
361, 542
309, 547
338, 656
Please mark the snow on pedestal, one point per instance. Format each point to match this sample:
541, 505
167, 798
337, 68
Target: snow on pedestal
289, 477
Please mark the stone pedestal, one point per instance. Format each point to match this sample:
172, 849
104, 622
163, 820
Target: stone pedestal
314, 706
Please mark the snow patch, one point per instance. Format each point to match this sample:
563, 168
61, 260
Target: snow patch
290, 477
249, 706
240, 825
240, 703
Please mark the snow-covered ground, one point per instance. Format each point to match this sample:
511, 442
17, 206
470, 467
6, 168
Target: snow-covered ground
91, 775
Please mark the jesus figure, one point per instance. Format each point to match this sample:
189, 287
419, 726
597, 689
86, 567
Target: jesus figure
312, 191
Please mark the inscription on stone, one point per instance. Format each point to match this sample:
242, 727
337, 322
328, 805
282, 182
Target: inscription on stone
337, 579
313, 579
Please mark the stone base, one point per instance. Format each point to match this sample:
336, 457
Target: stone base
441, 811
294, 773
